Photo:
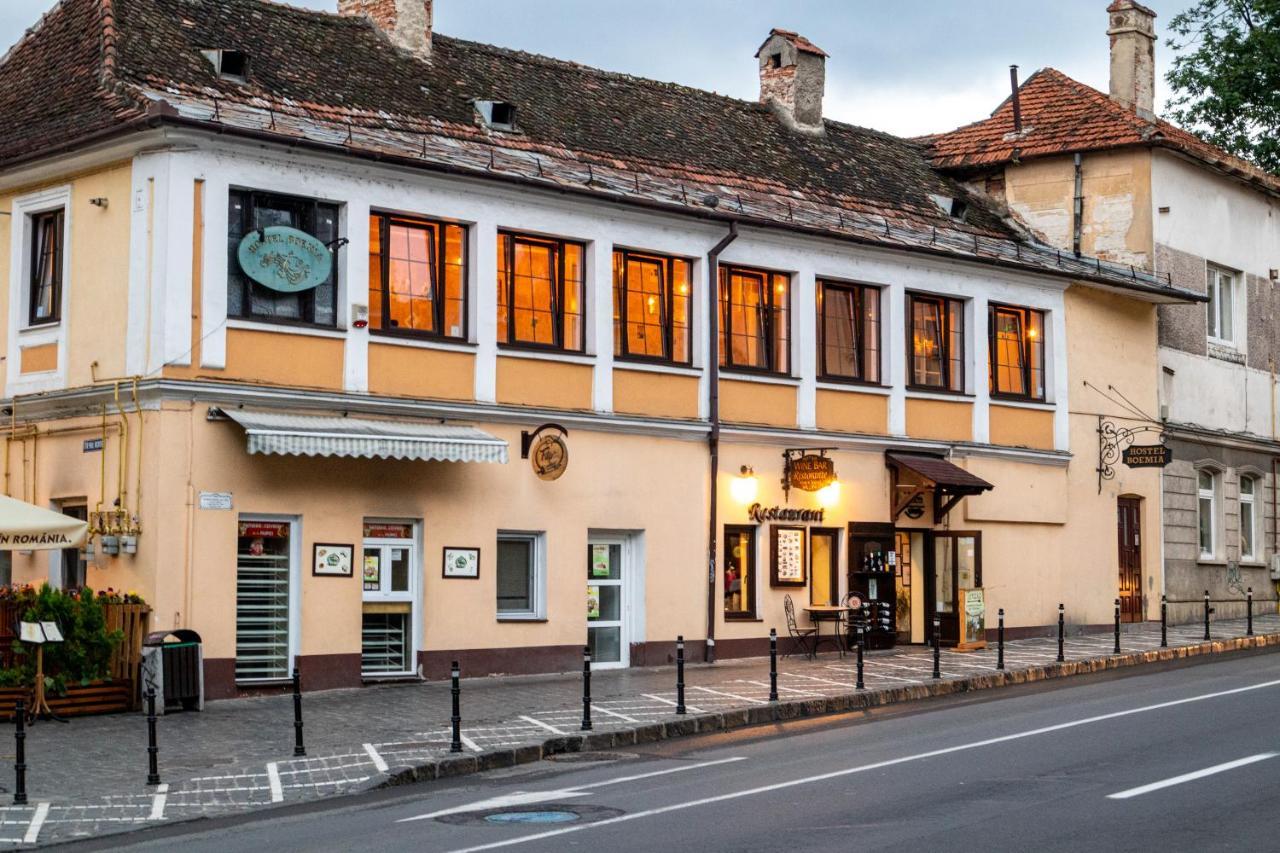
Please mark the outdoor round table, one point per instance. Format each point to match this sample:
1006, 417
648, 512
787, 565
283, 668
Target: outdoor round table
833, 613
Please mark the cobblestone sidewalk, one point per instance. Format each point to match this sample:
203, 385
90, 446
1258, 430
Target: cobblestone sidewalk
87, 777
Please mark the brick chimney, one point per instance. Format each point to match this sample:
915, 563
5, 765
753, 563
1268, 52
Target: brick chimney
406, 22
793, 74
1133, 56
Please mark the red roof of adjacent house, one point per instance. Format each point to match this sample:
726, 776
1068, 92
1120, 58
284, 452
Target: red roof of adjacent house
801, 43
1063, 116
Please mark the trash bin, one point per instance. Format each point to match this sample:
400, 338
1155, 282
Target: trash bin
173, 666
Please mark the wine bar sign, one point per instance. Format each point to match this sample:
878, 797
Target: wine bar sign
1147, 455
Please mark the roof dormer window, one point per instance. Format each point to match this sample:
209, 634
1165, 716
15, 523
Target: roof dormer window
956, 208
498, 115
229, 64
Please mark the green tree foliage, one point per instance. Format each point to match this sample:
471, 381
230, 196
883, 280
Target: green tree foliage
85, 653
1226, 76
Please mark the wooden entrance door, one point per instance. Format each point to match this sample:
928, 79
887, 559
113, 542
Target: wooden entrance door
1129, 531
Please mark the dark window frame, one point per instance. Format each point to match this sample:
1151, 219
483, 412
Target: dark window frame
944, 303
730, 532
385, 221
862, 291
725, 306
621, 336
38, 220
306, 207
508, 284
993, 309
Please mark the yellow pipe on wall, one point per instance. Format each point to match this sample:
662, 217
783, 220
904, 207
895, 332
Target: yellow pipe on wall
122, 489
136, 527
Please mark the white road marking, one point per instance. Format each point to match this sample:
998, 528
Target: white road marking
609, 713
543, 725
273, 780
158, 801
687, 706
469, 743
1190, 777
523, 798
37, 821
782, 688
729, 695
849, 771
379, 763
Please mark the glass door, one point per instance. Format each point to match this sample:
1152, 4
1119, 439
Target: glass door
606, 607
388, 576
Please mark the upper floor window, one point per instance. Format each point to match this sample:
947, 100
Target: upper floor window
1221, 287
936, 345
1248, 519
848, 332
247, 298
650, 307
1207, 512
755, 320
417, 277
1016, 359
539, 292
44, 301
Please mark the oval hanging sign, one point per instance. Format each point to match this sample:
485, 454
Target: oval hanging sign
285, 259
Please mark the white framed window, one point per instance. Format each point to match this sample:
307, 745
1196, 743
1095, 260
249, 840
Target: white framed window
39, 281
521, 575
1207, 510
267, 549
1248, 519
1221, 287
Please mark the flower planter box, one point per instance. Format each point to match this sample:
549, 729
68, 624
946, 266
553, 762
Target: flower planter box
98, 697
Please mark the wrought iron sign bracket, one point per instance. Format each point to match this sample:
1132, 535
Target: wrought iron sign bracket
526, 437
1112, 441
790, 455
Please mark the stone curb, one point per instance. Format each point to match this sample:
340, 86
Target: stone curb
774, 712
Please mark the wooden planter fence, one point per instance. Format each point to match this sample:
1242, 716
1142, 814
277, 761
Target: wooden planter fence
118, 694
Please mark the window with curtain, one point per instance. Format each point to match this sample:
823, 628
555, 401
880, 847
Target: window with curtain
739, 571
246, 298
540, 292
651, 307
417, 277
936, 344
1248, 489
1206, 503
755, 320
1016, 357
45, 286
848, 332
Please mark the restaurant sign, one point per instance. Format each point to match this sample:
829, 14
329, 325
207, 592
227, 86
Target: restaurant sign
810, 472
1147, 455
285, 259
761, 514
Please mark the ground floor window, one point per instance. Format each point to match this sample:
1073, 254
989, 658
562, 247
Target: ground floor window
739, 571
264, 570
75, 562
520, 571
1248, 552
388, 572
824, 567
1206, 494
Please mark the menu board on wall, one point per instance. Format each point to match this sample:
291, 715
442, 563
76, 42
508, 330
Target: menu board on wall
788, 562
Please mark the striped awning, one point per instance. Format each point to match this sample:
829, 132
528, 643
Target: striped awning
289, 434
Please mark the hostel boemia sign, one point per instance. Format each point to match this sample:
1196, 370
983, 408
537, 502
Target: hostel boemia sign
1147, 456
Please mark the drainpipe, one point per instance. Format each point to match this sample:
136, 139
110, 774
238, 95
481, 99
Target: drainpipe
1078, 208
713, 415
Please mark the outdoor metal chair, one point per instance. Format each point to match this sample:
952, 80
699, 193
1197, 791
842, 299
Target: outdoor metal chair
805, 638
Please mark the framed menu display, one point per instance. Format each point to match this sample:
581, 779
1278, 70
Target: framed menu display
786, 556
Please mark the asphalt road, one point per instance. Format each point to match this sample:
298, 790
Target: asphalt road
1184, 759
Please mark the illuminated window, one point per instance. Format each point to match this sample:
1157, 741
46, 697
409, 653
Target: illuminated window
936, 347
755, 320
1016, 359
739, 571
539, 292
848, 332
45, 291
417, 277
650, 307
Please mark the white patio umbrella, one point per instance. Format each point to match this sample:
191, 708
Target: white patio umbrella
24, 527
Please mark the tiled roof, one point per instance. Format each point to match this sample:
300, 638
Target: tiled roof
801, 43
319, 79
1063, 116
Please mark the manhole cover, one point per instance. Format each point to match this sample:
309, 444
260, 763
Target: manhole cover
582, 757
544, 816
541, 813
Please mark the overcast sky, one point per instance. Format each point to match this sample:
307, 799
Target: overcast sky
908, 67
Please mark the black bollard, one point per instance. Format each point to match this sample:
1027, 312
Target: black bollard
773, 664
153, 751
862, 642
20, 755
680, 674
1116, 650
1000, 639
298, 748
1164, 621
1206, 616
1062, 630
937, 647
586, 688
1248, 603
456, 720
